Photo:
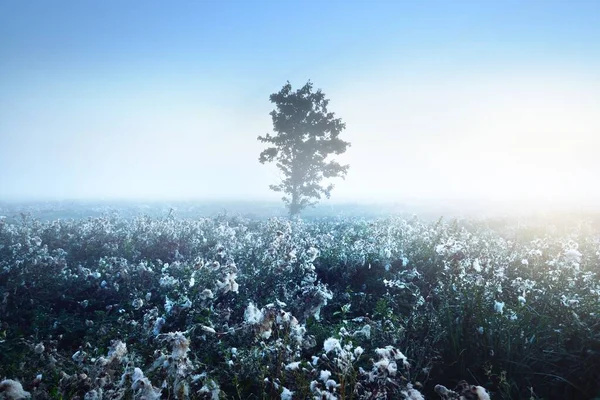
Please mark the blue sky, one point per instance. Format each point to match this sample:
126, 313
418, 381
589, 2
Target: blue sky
148, 99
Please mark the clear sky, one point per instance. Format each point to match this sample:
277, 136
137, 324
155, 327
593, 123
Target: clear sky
478, 99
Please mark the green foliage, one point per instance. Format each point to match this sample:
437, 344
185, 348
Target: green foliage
382, 309
429, 289
307, 134
319, 330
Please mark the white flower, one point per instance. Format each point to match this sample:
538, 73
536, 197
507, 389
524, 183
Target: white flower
229, 285
312, 254
390, 352
499, 307
392, 368
293, 366
383, 364
324, 375
143, 386
167, 281
118, 350
207, 329
280, 303
412, 394
573, 255
137, 304
206, 294
168, 304
180, 344
331, 344
314, 387
39, 348
331, 384
286, 394
158, 325
13, 390
482, 394
253, 315
266, 334
364, 331
79, 356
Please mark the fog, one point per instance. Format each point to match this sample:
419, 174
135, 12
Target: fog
495, 126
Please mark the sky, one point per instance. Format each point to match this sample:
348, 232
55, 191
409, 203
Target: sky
495, 101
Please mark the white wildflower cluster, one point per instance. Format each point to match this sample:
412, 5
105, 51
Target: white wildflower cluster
168, 281
228, 274
285, 393
180, 345
137, 304
117, 352
462, 391
388, 361
253, 315
364, 332
411, 393
273, 316
499, 307
176, 367
316, 297
206, 294
394, 284
173, 284
209, 388
12, 390
181, 304
337, 359
142, 387
332, 344
228, 284
312, 254
523, 287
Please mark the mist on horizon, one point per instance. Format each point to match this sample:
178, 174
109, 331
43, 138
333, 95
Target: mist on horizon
492, 104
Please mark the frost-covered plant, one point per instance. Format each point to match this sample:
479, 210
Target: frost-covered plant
12, 390
511, 306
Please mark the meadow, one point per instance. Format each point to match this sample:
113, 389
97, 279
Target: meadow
228, 307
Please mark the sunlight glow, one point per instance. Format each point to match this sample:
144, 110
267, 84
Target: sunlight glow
518, 139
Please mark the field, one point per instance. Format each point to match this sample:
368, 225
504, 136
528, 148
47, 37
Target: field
165, 306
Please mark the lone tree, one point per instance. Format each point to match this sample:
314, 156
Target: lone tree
306, 135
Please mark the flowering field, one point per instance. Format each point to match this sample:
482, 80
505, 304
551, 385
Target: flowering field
149, 308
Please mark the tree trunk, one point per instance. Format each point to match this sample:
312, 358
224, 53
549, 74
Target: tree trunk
294, 204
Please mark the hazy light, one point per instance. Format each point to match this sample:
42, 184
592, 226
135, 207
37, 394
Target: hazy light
504, 137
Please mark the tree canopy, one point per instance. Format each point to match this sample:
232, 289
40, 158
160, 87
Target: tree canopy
306, 135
